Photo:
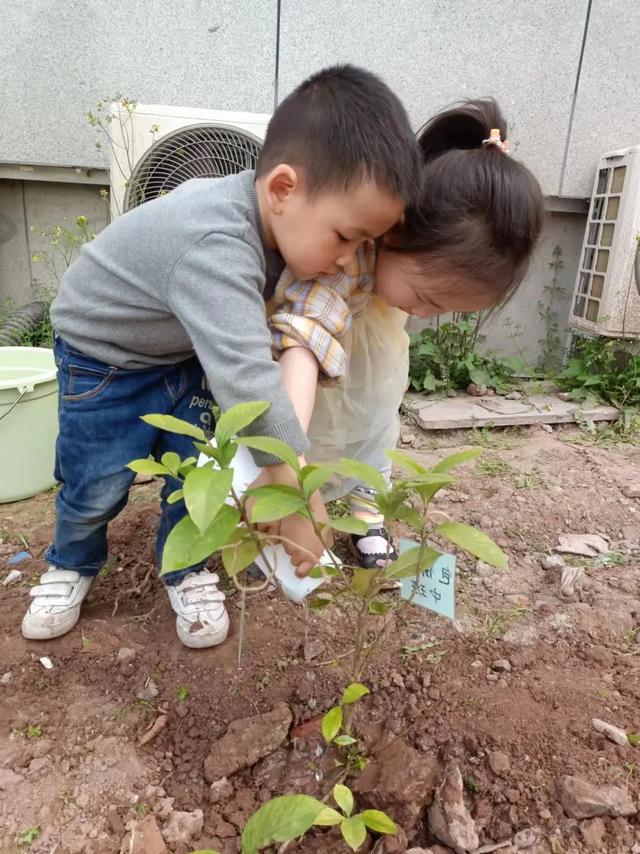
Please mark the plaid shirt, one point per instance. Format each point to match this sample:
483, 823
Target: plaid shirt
318, 313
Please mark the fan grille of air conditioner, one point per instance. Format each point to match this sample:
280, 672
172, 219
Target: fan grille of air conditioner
203, 151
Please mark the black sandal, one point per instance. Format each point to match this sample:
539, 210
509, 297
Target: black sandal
370, 552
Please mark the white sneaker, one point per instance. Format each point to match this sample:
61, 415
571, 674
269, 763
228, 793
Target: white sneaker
202, 619
55, 603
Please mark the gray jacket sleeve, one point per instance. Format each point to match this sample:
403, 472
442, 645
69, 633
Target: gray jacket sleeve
215, 290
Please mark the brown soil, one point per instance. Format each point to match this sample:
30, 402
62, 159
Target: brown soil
72, 733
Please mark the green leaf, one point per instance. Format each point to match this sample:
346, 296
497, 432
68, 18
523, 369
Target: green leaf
280, 820
378, 821
343, 796
354, 832
362, 472
479, 377
175, 496
328, 818
322, 571
454, 460
147, 466
331, 723
269, 445
634, 739
429, 383
187, 546
321, 601
187, 465
313, 478
378, 607
350, 525
353, 692
205, 491
276, 506
240, 553
237, 418
174, 425
475, 542
344, 740
411, 562
410, 515
182, 693
171, 461
405, 461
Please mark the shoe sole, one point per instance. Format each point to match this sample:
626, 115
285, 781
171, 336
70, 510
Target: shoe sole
35, 631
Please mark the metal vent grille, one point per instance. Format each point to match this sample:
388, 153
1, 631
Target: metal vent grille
202, 151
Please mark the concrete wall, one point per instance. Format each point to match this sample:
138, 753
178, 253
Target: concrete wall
566, 74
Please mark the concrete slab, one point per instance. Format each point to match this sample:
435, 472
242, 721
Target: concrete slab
462, 412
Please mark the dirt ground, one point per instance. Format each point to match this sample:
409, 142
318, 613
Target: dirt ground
74, 777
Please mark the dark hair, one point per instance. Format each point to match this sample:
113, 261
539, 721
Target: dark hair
479, 211
343, 126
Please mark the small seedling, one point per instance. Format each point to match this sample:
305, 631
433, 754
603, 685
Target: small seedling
26, 837
182, 693
33, 731
493, 468
143, 809
86, 642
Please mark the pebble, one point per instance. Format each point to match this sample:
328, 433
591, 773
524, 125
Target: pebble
407, 438
632, 491
513, 395
612, 732
220, 790
6, 678
13, 576
433, 694
397, 679
502, 665
552, 562
499, 763
125, 655
525, 838
149, 692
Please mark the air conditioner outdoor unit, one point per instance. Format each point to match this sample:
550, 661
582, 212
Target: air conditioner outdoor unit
606, 298
156, 148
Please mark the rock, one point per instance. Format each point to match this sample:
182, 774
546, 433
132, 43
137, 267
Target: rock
164, 808
449, 818
145, 837
312, 649
395, 843
6, 678
552, 563
632, 491
613, 733
246, 741
397, 679
476, 390
499, 763
125, 654
525, 838
581, 799
183, 827
400, 780
571, 580
586, 545
8, 779
547, 428
433, 694
593, 833
513, 395
220, 791
149, 692
502, 665
407, 438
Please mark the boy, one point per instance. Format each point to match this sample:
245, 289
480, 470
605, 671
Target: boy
169, 301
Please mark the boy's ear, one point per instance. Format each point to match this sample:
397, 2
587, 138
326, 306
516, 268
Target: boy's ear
280, 184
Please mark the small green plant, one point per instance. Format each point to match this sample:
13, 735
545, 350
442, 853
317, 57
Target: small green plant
445, 357
143, 809
336, 727
493, 467
33, 731
26, 837
603, 370
291, 816
551, 342
182, 693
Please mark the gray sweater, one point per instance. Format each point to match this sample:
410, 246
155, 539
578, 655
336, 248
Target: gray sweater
181, 274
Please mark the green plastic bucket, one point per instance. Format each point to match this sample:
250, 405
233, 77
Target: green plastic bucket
28, 421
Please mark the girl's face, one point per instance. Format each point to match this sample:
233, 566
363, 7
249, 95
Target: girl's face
399, 282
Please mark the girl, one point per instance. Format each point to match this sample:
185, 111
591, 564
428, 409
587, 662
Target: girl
464, 245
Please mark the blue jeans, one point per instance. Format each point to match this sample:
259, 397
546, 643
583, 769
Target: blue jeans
100, 409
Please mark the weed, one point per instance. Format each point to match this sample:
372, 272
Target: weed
85, 641
498, 439
33, 731
26, 837
551, 342
493, 467
143, 809
182, 693
603, 370
497, 623
530, 480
